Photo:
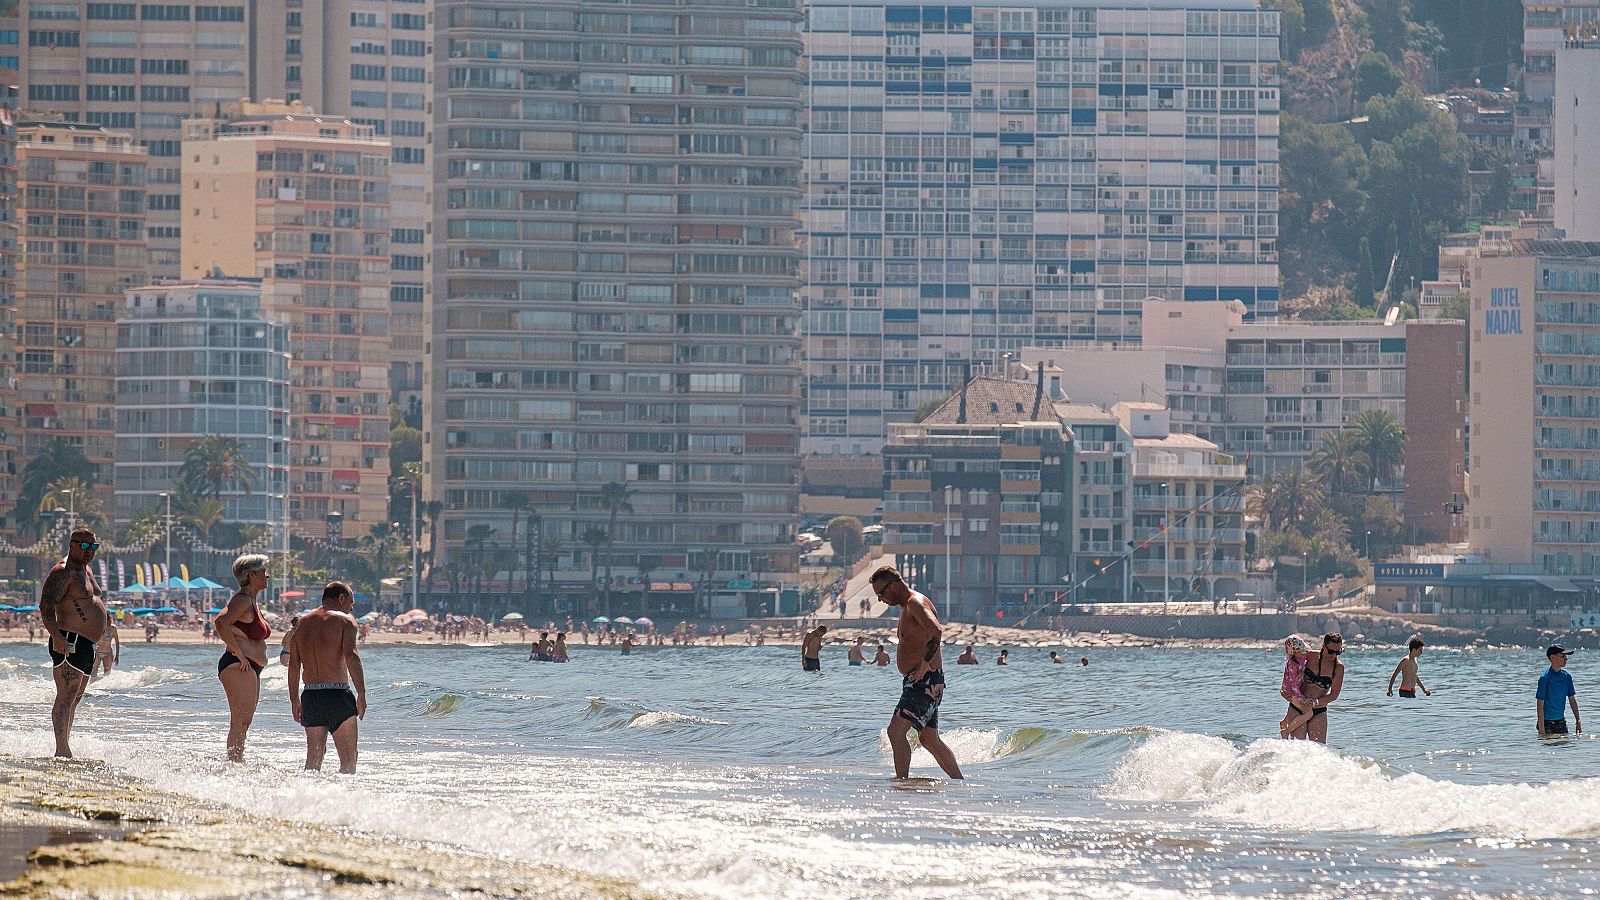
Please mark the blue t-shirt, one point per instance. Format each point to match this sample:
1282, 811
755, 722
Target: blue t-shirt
1555, 686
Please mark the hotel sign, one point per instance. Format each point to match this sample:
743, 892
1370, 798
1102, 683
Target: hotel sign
1504, 315
1409, 573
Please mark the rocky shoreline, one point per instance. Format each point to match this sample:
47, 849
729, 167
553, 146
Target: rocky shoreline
126, 839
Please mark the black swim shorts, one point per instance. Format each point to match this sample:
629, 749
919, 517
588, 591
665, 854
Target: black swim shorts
810, 664
1555, 726
326, 707
79, 655
1408, 692
228, 659
919, 700
1318, 711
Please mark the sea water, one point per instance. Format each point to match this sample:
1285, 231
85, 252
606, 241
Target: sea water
729, 772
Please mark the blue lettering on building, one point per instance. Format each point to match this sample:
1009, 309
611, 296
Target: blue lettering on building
1504, 315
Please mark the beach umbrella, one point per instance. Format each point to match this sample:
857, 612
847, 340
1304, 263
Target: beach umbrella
369, 617
642, 621
622, 620
599, 619
144, 612
204, 583
137, 588
25, 609
213, 612
418, 613
6, 607
174, 583
511, 617
167, 609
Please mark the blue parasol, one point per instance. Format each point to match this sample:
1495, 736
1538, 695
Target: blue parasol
168, 609
204, 583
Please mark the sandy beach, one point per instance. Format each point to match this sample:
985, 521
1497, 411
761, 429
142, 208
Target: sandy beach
86, 830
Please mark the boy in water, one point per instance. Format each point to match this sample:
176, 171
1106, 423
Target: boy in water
1406, 671
1555, 692
1293, 671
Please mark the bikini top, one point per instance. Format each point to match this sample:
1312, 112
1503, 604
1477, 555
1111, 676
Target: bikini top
257, 629
1322, 680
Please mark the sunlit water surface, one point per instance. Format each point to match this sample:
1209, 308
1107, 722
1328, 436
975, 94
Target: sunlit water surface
729, 772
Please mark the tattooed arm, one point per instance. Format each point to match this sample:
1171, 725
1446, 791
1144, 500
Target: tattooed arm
51, 596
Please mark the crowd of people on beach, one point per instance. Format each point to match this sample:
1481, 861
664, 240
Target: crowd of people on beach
327, 689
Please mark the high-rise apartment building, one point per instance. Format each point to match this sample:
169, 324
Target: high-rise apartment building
81, 209
145, 68
10, 259
1547, 25
197, 358
139, 68
616, 276
1535, 407
372, 60
1436, 423
301, 202
981, 179
1576, 147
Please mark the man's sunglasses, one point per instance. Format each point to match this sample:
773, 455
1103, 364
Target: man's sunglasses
879, 587
88, 545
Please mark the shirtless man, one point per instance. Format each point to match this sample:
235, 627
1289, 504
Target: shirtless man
324, 647
856, 656
73, 609
1406, 671
922, 670
811, 649
880, 656
109, 650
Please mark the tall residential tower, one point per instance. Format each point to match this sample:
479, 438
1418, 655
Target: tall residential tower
982, 178
615, 280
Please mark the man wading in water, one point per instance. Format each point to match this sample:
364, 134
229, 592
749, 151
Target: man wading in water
75, 619
922, 668
324, 651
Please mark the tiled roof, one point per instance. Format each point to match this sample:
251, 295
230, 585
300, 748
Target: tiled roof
991, 400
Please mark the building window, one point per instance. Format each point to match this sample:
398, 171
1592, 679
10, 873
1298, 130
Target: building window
111, 12
364, 20
53, 92
363, 72
408, 48
111, 93
409, 21
164, 66
50, 40
219, 14
164, 13
163, 93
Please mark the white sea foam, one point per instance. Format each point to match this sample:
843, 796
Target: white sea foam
147, 677
662, 717
15, 688
1268, 783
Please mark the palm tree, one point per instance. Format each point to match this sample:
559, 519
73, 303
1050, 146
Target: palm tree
595, 537
58, 460
551, 549
73, 494
614, 496
1340, 461
432, 510
1290, 498
646, 569
218, 463
517, 502
1381, 436
477, 536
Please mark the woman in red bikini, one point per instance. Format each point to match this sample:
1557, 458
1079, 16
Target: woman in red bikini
244, 632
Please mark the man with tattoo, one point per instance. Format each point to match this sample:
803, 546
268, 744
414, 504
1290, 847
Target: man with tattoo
922, 670
75, 619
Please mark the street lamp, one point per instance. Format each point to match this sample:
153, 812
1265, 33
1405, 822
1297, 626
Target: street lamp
416, 487
1166, 555
167, 496
1368, 547
949, 598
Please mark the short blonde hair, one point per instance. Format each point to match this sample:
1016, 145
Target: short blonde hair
249, 562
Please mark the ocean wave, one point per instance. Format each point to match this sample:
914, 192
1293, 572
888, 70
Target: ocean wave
27, 689
133, 679
975, 746
1268, 783
442, 705
667, 717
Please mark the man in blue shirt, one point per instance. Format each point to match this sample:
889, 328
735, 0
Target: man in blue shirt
1555, 691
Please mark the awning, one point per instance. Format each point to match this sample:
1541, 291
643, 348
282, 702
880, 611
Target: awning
41, 410
1559, 585
346, 422
346, 475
